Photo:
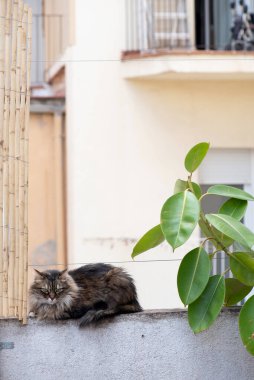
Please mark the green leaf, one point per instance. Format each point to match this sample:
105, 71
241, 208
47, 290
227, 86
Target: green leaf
229, 191
195, 156
246, 325
181, 185
242, 267
203, 312
179, 217
193, 275
234, 207
204, 228
232, 228
150, 240
225, 240
235, 291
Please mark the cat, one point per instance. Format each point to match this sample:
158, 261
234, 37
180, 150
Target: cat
90, 293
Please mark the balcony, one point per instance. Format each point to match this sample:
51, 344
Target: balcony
189, 39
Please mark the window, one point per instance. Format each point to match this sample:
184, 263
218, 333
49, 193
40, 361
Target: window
233, 167
224, 24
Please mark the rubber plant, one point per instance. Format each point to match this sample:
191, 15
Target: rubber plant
205, 294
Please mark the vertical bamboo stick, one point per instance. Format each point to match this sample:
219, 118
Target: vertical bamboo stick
6, 158
15, 65
2, 41
17, 149
26, 157
11, 268
22, 159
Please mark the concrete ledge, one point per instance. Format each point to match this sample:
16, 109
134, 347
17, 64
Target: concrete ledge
153, 345
190, 66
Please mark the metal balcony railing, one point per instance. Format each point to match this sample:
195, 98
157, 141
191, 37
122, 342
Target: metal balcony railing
156, 25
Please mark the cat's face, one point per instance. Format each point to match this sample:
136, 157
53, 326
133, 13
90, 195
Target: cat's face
52, 287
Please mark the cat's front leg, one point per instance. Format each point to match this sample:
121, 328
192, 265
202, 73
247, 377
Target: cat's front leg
64, 316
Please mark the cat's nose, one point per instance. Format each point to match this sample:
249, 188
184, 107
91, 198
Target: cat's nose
51, 296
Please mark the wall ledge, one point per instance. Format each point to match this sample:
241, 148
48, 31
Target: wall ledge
186, 66
144, 316
151, 345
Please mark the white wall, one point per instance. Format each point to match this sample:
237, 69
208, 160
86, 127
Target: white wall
151, 346
126, 142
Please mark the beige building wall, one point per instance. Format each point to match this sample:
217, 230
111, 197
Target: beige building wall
58, 28
46, 192
126, 142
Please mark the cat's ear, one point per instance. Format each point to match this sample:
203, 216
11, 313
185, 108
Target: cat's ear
62, 272
39, 273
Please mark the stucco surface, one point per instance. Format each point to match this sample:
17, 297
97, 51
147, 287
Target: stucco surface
155, 345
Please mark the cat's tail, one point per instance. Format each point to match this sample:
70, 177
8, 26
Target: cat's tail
94, 315
133, 307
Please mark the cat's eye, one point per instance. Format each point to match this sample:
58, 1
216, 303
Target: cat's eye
45, 291
59, 290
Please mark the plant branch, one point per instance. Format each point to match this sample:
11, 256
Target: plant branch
210, 229
219, 243
226, 271
202, 196
190, 184
207, 239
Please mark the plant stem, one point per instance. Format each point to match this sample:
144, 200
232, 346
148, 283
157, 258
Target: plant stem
226, 271
190, 184
214, 253
223, 248
207, 239
202, 216
202, 196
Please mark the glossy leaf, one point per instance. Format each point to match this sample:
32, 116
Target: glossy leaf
234, 207
242, 267
181, 185
230, 191
195, 156
246, 325
235, 291
179, 217
232, 228
204, 228
151, 239
225, 240
193, 275
203, 312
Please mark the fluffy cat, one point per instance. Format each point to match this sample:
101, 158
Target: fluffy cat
90, 293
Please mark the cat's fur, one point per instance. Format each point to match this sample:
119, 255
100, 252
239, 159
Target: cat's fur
90, 293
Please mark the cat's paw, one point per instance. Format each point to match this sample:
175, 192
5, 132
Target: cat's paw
32, 314
64, 316
88, 318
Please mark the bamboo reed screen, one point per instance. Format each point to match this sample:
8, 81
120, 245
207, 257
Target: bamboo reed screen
15, 62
